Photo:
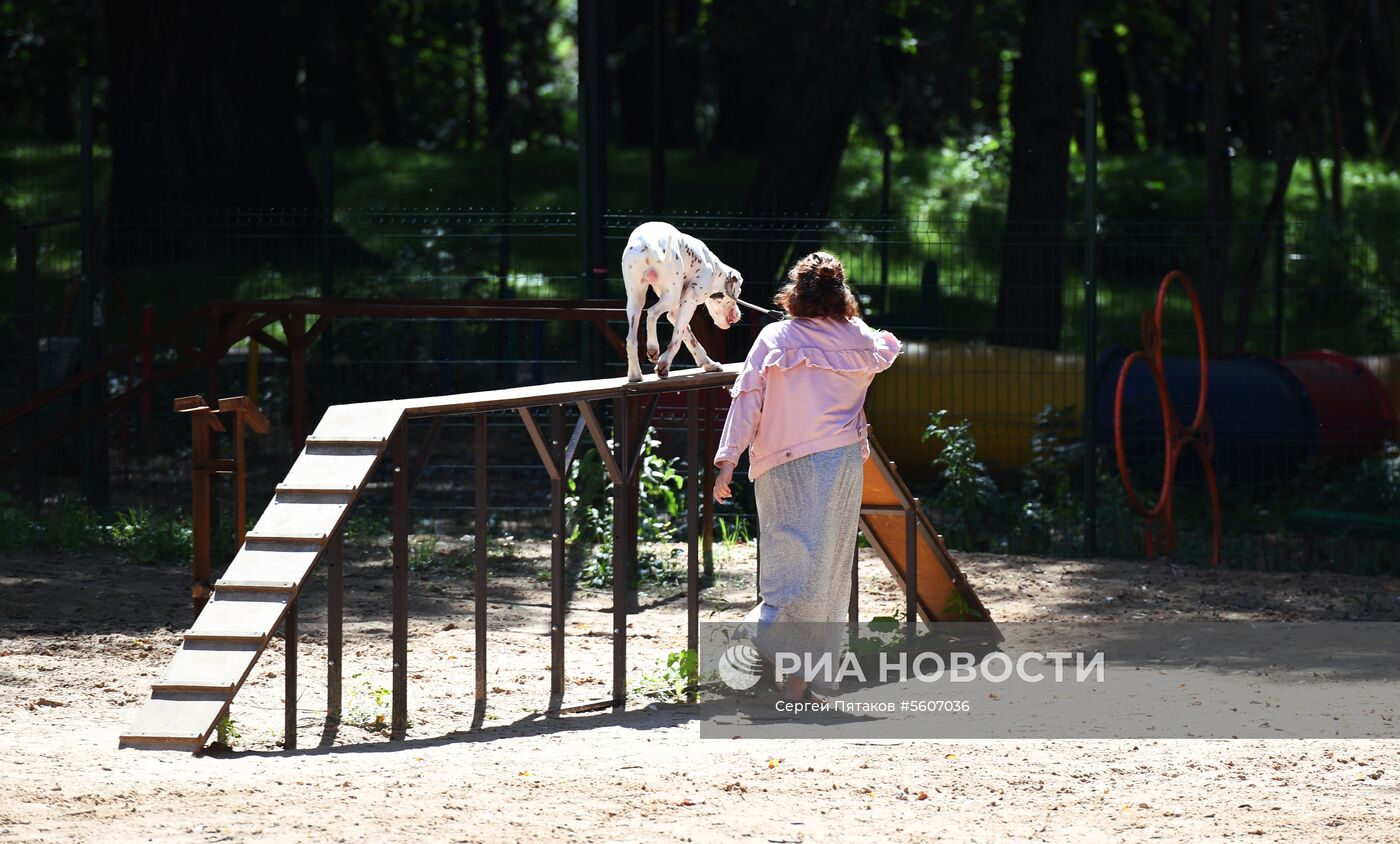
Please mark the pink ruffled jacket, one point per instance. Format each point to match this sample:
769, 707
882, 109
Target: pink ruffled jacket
802, 390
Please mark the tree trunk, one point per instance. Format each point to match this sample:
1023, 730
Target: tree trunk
754, 57
632, 78
1043, 97
1382, 61
197, 126
1218, 194
683, 75
1257, 107
488, 15
1115, 110
802, 151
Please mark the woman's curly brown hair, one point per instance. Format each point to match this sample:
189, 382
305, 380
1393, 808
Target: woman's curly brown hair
817, 288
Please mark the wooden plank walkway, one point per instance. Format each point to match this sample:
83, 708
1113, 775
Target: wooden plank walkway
269, 571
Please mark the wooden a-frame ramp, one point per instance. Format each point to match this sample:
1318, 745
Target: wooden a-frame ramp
337, 461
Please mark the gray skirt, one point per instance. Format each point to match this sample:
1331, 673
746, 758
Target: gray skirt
808, 514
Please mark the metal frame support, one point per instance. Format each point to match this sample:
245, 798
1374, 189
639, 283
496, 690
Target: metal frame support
557, 576
624, 539
911, 566
692, 534
479, 555
289, 705
335, 614
552, 454
707, 488
398, 724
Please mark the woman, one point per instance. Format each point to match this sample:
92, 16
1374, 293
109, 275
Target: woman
798, 408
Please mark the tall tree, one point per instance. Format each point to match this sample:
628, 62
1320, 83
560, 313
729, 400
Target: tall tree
754, 57
488, 13
1111, 82
803, 148
1218, 182
1044, 97
203, 108
1256, 102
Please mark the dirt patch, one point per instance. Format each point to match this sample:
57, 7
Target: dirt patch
84, 636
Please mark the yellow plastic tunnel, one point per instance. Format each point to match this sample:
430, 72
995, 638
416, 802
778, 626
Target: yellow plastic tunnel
998, 389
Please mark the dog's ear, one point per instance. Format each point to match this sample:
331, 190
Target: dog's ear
732, 283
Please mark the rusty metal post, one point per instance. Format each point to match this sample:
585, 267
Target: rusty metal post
623, 535
203, 424
296, 351
240, 483
557, 594
479, 552
335, 614
707, 489
289, 707
692, 533
398, 724
911, 566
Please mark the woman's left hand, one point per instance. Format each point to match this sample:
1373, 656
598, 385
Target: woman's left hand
722, 481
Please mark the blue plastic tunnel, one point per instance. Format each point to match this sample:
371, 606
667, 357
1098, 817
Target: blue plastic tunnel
1264, 422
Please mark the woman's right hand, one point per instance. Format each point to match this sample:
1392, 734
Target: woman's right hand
722, 482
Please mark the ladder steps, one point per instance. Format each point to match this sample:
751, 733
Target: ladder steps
236, 615
258, 562
181, 719
300, 518
256, 585
168, 686
225, 636
322, 469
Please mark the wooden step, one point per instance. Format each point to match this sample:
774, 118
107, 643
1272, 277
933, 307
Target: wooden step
369, 423
238, 616
211, 664
255, 586
330, 469
172, 720
301, 518
286, 564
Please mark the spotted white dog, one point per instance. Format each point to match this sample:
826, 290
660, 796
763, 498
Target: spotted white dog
684, 273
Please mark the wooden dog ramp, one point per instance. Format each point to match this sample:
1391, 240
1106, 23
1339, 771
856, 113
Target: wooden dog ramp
269, 571
942, 593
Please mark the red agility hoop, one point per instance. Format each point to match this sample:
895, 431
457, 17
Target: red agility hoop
1159, 519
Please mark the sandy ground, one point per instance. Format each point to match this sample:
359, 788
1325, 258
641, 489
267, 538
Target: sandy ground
84, 636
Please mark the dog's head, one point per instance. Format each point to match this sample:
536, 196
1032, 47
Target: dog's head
722, 296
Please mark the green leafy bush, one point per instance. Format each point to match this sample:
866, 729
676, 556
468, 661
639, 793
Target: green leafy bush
590, 510
148, 537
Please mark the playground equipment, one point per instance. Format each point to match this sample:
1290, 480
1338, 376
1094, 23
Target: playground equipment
998, 389
204, 424
1353, 411
1158, 520
304, 521
202, 337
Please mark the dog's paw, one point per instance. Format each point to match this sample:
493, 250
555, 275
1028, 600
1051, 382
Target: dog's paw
634, 375
663, 369
711, 366
653, 352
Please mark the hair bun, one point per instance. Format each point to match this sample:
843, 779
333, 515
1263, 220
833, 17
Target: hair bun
827, 272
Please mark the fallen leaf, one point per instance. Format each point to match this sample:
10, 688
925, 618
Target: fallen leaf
950, 756
773, 763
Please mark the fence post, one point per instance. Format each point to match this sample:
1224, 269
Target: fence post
92, 440
886, 153
26, 280
327, 351
1091, 303
1280, 320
